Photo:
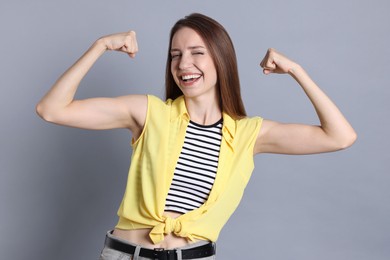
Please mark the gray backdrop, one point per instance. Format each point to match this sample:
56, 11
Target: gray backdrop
60, 187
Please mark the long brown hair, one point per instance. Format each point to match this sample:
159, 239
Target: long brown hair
222, 52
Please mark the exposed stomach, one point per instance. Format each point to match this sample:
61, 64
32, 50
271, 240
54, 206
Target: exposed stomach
141, 236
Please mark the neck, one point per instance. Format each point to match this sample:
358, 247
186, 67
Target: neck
204, 112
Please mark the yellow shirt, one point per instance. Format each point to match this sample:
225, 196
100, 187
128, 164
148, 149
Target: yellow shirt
154, 158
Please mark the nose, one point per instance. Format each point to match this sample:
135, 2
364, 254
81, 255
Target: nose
185, 61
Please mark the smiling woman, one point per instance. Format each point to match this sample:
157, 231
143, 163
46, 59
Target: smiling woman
193, 69
214, 42
178, 197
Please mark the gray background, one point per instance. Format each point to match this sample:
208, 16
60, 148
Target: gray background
60, 187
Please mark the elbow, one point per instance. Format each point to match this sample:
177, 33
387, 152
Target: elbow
39, 109
44, 113
347, 141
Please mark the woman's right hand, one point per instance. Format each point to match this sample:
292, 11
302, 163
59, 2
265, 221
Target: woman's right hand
124, 42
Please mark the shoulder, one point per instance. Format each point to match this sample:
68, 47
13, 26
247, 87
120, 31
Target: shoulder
154, 101
160, 110
244, 128
249, 123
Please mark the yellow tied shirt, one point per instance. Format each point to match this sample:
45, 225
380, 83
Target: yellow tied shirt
154, 158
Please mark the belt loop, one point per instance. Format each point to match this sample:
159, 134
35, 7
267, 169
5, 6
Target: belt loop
179, 255
136, 252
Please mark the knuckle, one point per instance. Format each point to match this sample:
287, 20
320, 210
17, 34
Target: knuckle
130, 36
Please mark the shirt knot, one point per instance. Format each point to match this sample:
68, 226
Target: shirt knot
172, 225
167, 226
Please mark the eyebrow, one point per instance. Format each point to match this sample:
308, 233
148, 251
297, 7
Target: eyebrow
190, 48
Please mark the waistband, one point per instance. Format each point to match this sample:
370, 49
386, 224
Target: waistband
201, 251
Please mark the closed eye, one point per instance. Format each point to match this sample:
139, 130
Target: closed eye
175, 55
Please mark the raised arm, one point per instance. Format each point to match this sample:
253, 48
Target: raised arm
334, 132
59, 106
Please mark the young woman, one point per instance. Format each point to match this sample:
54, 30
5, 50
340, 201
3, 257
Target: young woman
192, 153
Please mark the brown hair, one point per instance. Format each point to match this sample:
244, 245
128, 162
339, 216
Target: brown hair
222, 52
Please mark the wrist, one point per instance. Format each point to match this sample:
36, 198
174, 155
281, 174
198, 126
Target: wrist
295, 68
100, 44
299, 74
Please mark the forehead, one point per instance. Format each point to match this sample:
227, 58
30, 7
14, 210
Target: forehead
186, 37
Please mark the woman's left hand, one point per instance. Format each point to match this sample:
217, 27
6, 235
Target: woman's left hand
275, 62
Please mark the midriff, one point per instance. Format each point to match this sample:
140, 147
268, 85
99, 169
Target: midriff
141, 236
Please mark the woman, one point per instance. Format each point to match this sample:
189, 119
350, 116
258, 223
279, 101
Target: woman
193, 153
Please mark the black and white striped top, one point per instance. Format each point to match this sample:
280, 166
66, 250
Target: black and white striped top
196, 168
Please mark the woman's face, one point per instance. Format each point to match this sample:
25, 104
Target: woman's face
192, 66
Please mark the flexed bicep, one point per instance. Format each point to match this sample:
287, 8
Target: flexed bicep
333, 133
105, 113
275, 137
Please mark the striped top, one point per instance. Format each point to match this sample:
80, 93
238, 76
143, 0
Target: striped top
196, 168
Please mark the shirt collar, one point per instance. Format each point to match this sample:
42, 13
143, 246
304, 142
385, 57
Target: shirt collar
229, 124
179, 109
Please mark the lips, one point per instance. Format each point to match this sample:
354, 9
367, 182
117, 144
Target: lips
188, 79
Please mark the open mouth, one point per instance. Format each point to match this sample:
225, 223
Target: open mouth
190, 78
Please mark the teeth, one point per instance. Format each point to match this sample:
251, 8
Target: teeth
188, 77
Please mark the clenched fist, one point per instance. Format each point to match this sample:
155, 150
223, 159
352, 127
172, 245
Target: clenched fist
124, 42
275, 62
